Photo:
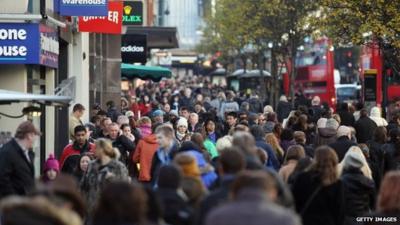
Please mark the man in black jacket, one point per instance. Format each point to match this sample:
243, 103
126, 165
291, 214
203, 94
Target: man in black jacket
121, 142
230, 164
365, 127
16, 162
343, 142
347, 118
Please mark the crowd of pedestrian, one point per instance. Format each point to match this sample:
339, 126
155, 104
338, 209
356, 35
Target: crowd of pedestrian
190, 154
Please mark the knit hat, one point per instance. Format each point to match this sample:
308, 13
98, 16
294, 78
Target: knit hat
182, 122
283, 98
129, 114
268, 109
353, 159
321, 123
332, 123
157, 113
51, 163
174, 113
343, 131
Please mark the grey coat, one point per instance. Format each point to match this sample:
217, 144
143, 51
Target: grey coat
97, 176
252, 208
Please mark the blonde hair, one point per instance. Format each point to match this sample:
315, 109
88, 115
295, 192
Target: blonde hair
271, 139
337, 118
144, 120
364, 169
107, 147
325, 164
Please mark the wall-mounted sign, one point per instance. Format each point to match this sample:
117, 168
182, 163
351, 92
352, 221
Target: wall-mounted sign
134, 48
110, 24
370, 85
28, 43
133, 13
49, 47
82, 7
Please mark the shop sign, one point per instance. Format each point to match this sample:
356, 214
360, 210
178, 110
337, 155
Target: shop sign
82, 7
28, 43
133, 13
134, 48
110, 24
49, 47
370, 85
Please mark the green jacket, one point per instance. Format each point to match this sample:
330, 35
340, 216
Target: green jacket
211, 148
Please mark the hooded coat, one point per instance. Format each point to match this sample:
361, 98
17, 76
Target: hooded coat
375, 115
144, 154
359, 192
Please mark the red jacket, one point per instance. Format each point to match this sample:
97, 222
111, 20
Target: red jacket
144, 109
70, 156
144, 154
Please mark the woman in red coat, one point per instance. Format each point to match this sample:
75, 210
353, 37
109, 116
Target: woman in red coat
144, 105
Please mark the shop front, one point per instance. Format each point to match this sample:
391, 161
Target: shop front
29, 59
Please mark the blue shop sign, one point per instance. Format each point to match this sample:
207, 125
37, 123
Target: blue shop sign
19, 43
28, 43
82, 7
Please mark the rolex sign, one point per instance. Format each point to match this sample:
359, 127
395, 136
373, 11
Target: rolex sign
132, 13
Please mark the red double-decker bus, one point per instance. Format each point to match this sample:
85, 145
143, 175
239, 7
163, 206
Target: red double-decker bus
371, 59
315, 72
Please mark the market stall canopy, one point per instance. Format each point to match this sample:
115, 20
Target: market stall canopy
154, 73
240, 73
218, 72
7, 97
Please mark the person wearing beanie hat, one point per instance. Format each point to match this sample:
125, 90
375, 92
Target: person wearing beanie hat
129, 114
157, 116
321, 123
326, 135
359, 188
343, 142
344, 131
51, 169
181, 129
332, 123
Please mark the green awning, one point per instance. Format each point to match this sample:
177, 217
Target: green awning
154, 73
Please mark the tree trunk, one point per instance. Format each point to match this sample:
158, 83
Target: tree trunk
274, 79
262, 78
293, 71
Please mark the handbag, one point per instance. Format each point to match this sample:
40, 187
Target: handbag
310, 199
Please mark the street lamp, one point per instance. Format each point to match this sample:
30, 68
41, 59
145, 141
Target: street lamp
31, 111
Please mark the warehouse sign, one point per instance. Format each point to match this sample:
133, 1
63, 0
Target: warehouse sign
82, 7
133, 13
24, 43
110, 24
